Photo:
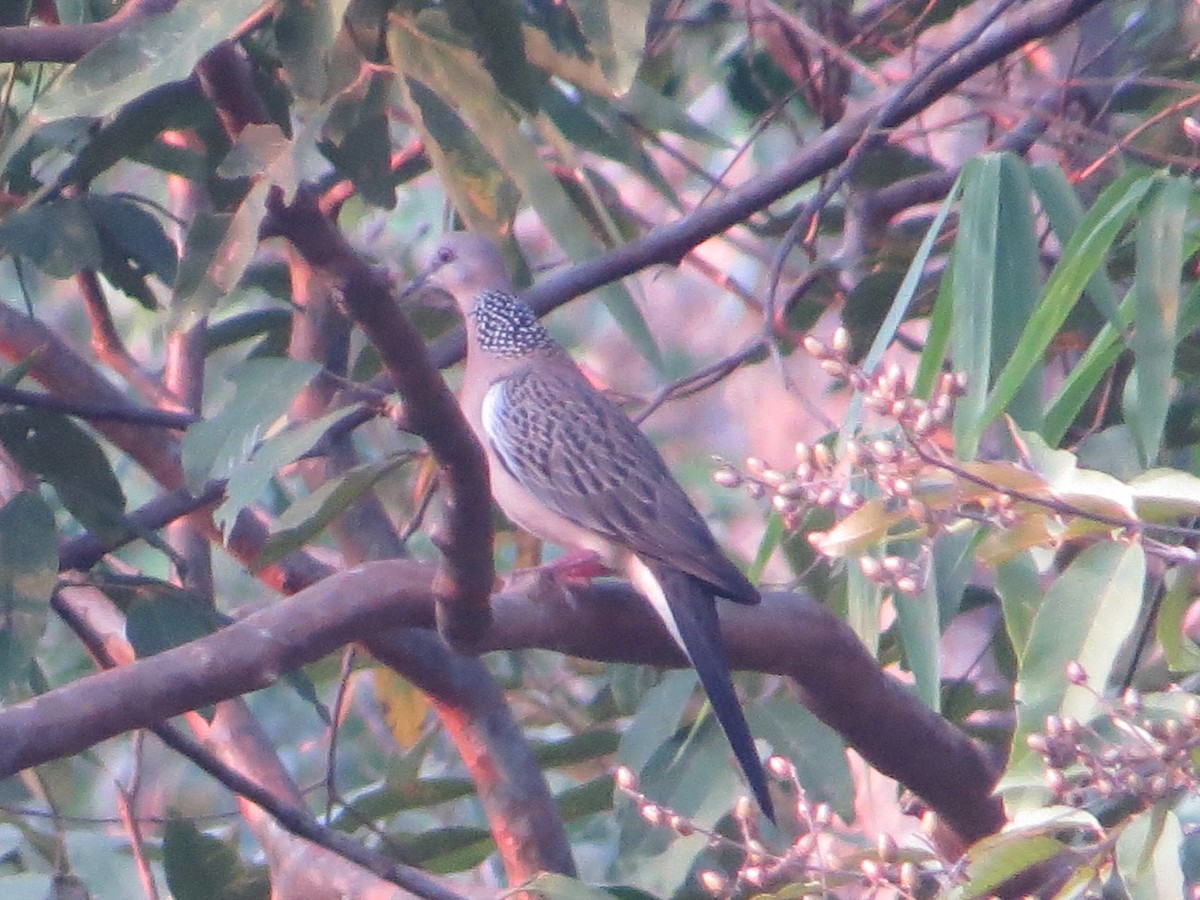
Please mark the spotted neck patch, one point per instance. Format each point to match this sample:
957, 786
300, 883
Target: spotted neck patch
504, 326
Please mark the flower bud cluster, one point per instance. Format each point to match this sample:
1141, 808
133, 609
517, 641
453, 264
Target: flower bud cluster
807, 858
1143, 760
895, 468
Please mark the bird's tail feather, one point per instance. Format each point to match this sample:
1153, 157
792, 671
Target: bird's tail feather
695, 613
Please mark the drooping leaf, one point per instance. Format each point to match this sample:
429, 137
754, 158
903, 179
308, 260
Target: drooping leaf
28, 571
251, 477
199, 866
616, 35
1156, 289
71, 460
816, 750
166, 618
58, 236
1084, 254
308, 516
405, 708
1086, 616
265, 388
158, 49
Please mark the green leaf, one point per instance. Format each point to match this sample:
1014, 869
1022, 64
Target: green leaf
304, 33
136, 234
58, 236
214, 263
974, 270
1179, 650
1156, 288
493, 28
1062, 207
1082, 257
1092, 368
616, 34
560, 887
1017, 283
816, 750
459, 81
1029, 840
452, 848
657, 719
934, 353
200, 867
482, 193
308, 516
1148, 855
1087, 615
250, 479
918, 620
156, 50
265, 388
28, 573
166, 618
356, 138
71, 460
1020, 588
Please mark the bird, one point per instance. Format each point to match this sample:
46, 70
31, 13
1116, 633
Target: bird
568, 466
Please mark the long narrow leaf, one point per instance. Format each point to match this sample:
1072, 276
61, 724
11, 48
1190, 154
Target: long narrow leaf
1082, 257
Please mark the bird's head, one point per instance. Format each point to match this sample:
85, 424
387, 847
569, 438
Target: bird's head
469, 270
460, 267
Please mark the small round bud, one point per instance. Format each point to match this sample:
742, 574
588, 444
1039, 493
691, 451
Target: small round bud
626, 780
713, 882
886, 847
841, 340
1132, 700
681, 826
822, 458
1076, 674
871, 567
1037, 743
815, 346
823, 815
781, 767
907, 584
909, 876
653, 814
727, 478
871, 869
744, 807
1056, 781
754, 875
756, 465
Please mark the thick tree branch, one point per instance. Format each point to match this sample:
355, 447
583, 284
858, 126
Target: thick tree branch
430, 408
787, 635
69, 43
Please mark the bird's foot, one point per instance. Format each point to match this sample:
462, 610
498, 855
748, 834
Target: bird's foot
576, 568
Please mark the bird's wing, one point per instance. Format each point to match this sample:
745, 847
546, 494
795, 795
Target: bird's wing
578, 454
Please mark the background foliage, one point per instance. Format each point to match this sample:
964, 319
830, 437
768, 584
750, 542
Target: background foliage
993, 499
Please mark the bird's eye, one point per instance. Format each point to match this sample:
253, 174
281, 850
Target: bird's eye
445, 255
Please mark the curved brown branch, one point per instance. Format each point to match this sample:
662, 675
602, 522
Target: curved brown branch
431, 409
787, 634
69, 43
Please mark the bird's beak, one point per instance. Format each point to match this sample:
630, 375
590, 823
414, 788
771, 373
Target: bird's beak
415, 288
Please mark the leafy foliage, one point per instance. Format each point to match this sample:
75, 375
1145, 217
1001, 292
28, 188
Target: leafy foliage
1015, 435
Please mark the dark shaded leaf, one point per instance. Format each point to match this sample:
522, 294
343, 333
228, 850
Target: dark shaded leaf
71, 460
28, 572
58, 236
201, 867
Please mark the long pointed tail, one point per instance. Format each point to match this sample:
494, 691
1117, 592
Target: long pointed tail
694, 610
